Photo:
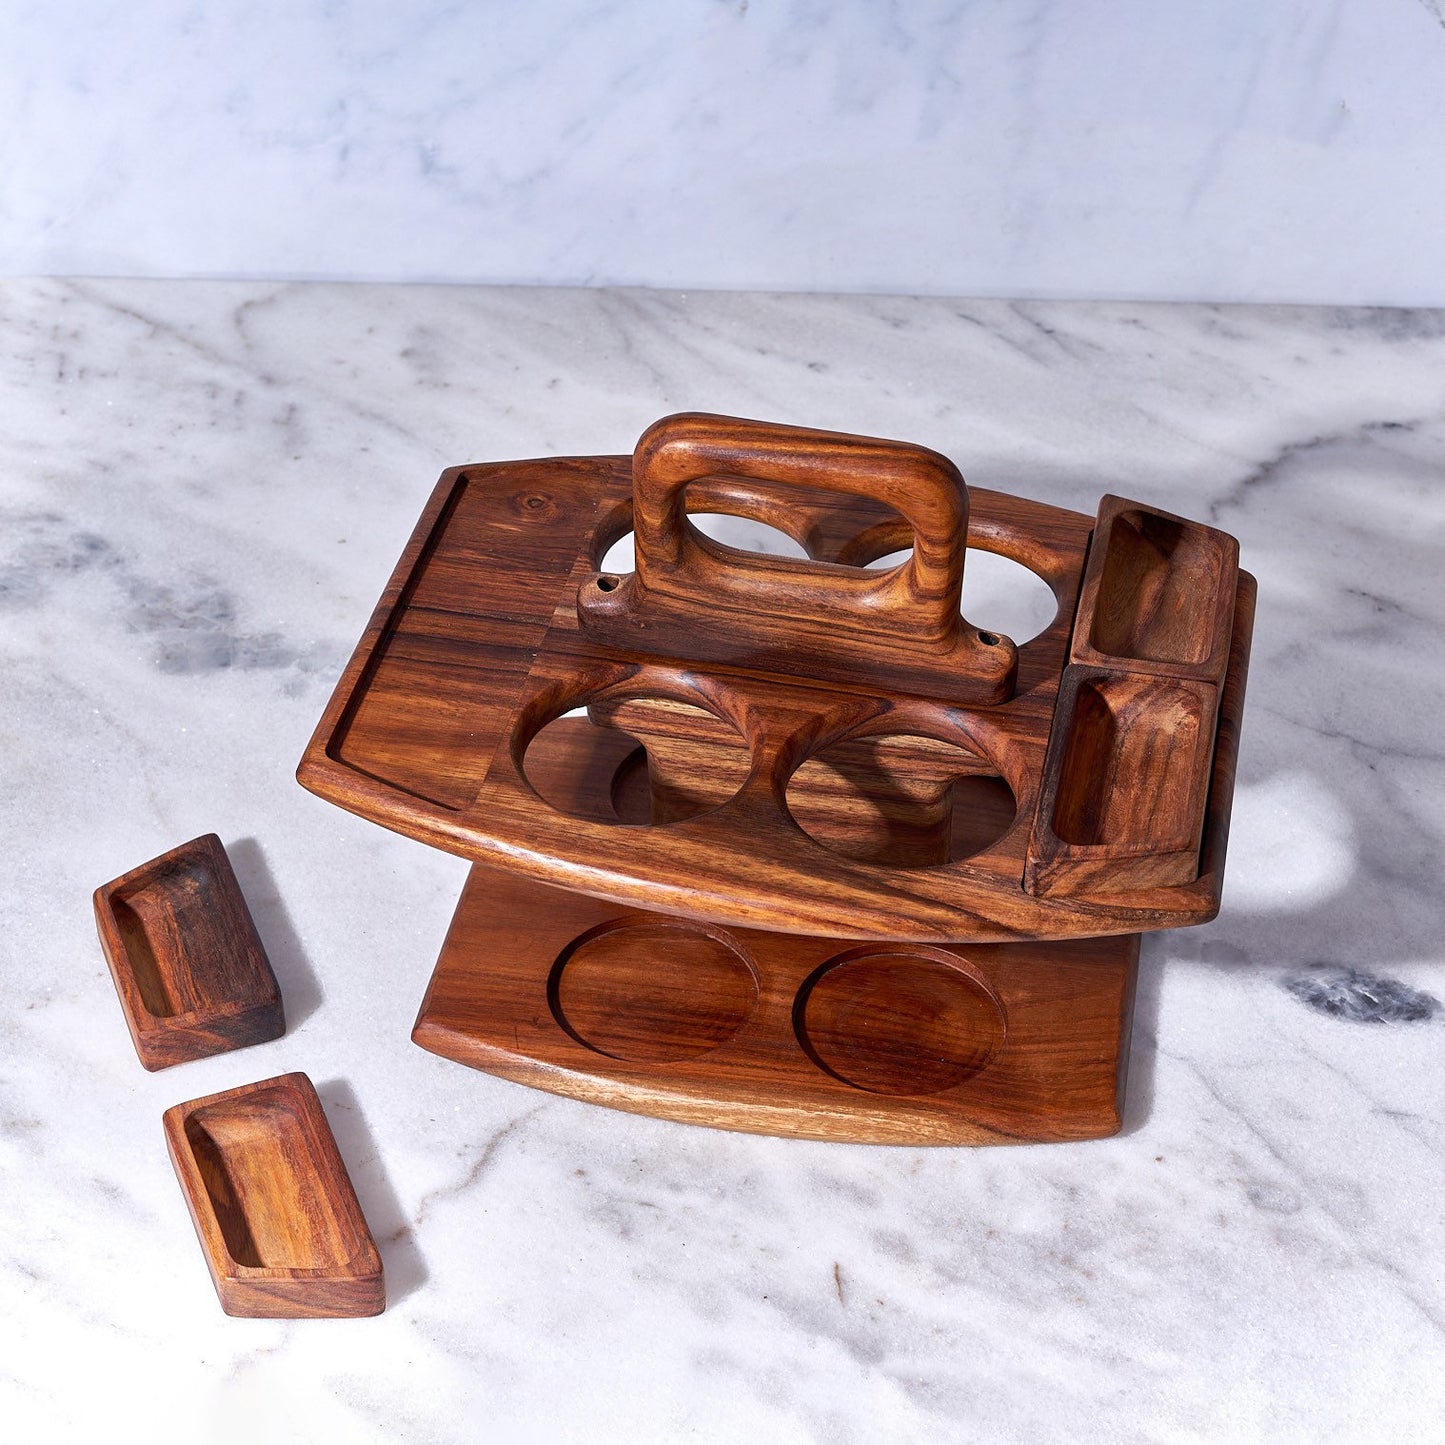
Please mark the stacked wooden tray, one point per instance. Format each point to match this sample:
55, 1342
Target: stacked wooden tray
792, 846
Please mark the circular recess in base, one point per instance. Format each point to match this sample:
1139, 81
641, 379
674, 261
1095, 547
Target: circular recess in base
652, 993
898, 1021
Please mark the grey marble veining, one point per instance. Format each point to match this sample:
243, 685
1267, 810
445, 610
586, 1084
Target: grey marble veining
1231, 151
202, 490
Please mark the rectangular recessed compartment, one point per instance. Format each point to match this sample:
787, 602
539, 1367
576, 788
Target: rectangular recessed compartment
1125, 785
188, 964
1158, 594
274, 1209
1126, 781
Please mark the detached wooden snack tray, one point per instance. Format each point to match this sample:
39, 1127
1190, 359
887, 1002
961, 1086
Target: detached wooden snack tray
188, 964
751, 749
273, 1205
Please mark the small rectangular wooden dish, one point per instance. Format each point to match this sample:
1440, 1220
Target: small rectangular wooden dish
274, 1209
188, 964
1131, 756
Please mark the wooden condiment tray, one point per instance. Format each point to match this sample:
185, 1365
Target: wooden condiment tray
188, 965
273, 1205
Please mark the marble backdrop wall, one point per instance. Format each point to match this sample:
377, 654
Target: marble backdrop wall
1130, 148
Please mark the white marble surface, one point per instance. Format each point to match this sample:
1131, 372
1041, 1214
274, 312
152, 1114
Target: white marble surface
202, 489
1232, 151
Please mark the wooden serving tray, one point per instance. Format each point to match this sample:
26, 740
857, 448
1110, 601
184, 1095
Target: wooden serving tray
778, 700
793, 847
273, 1205
188, 965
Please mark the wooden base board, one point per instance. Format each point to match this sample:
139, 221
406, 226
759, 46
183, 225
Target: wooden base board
775, 1033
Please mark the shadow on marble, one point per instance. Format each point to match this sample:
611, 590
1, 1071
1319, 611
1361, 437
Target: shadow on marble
300, 988
1337, 955
1144, 1040
405, 1268
1351, 951
1348, 956
1350, 959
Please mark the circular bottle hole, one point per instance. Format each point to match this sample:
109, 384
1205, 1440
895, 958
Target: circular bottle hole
898, 1021
900, 800
637, 760
652, 993
1001, 597
620, 557
746, 534
598, 774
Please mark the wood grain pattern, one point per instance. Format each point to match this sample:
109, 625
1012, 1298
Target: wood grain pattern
1164, 616
817, 1038
738, 812
274, 1208
1157, 595
691, 597
1124, 792
708, 780
188, 965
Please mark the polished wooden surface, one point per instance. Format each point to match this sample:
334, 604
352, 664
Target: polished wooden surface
819, 1038
273, 1206
188, 965
790, 846
1157, 595
750, 783
690, 597
1163, 614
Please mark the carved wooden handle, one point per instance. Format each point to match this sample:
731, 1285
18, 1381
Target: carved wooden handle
693, 599
919, 599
